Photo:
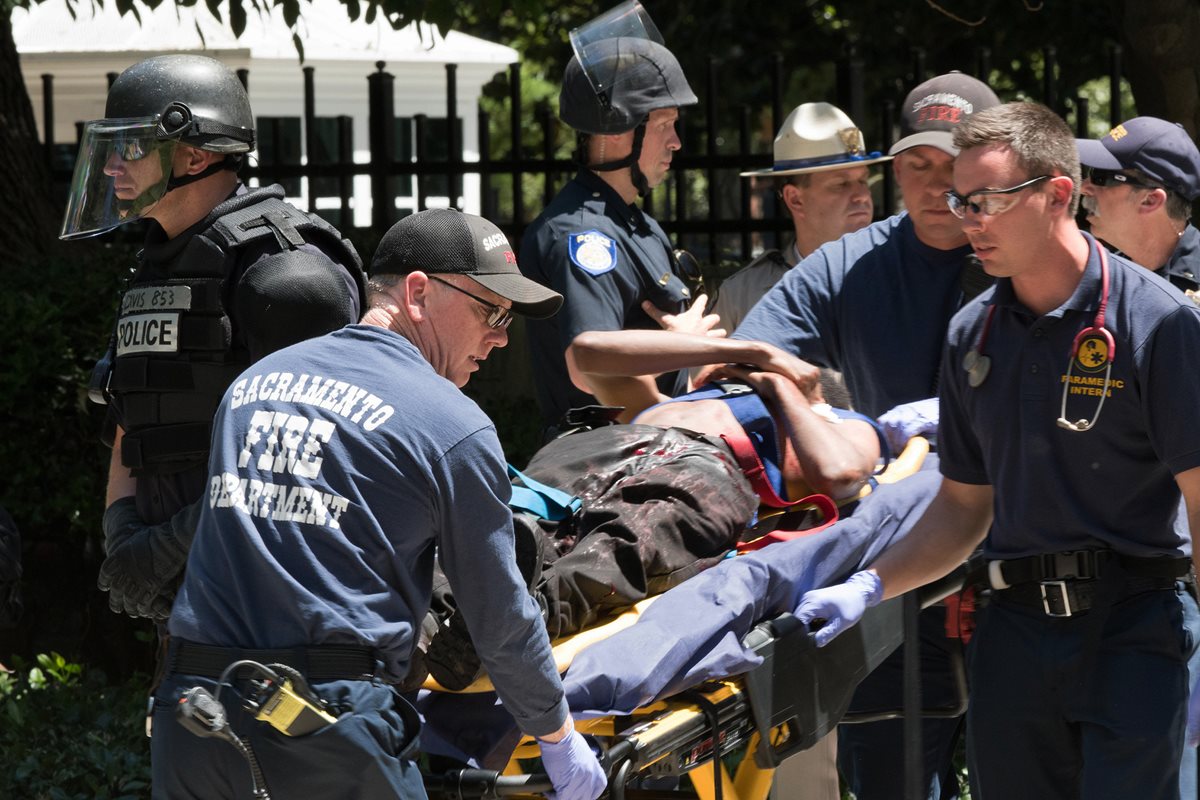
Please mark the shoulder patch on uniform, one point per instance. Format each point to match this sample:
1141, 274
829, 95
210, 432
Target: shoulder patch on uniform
592, 252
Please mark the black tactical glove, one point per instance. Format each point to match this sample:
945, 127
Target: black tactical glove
144, 560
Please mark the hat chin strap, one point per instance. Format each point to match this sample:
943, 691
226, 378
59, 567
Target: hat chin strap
184, 180
635, 172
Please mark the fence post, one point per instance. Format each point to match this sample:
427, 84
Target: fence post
850, 95
1050, 78
710, 107
454, 147
545, 120
772, 202
777, 93
111, 77
1081, 117
518, 175
679, 176
744, 183
310, 135
1114, 86
381, 127
345, 166
487, 204
983, 63
421, 127
918, 66
48, 121
885, 143
243, 75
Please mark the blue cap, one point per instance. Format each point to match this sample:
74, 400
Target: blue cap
1158, 149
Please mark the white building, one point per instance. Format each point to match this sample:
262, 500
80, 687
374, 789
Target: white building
79, 52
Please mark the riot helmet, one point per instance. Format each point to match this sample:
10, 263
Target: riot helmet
620, 72
152, 107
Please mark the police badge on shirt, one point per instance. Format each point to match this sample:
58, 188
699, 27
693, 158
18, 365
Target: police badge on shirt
592, 252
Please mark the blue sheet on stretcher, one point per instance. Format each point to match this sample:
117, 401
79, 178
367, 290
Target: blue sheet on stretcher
694, 632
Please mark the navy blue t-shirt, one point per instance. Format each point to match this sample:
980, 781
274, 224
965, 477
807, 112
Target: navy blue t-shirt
874, 304
604, 256
1055, 489
340, 468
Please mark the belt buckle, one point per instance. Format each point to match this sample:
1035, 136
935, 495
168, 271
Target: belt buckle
1056, 599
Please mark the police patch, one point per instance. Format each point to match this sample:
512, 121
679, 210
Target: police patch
147, 333
592, 252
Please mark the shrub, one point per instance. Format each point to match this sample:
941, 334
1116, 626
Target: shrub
65, 734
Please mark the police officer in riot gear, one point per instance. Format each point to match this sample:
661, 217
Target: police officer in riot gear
227, 275
612, 263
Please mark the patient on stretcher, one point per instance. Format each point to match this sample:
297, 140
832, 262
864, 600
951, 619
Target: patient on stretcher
665, 498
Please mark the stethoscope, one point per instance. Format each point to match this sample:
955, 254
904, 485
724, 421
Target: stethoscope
1093, 349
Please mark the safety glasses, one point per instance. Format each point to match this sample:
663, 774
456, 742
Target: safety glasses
988, 202
498, 317
1110, 177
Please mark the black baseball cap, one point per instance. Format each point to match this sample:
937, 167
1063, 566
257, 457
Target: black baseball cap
934, 109
447, 241
1160, 150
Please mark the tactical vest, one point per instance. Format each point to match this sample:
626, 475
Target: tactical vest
177, 346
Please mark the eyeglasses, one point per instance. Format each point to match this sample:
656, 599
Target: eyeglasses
498, 317
1110, 177
989, 202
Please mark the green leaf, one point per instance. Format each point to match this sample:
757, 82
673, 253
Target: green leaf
291, 13
299, 46
237, 17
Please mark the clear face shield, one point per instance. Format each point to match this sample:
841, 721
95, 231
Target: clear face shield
122, 170
626, 21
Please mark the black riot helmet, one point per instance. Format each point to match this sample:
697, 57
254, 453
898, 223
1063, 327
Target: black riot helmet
620, 73
125, 160
200, 101
638, 76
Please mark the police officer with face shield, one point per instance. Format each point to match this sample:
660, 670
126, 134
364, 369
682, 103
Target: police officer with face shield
612, 262
227, 275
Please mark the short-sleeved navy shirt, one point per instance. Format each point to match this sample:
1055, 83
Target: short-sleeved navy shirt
1183, 267
340, 467
604, 256
1057, 490
874, 304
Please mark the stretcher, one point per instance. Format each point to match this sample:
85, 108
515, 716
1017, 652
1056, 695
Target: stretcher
752, 720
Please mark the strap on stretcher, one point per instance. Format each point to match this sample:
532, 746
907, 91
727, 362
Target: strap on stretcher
907, 463
756, 473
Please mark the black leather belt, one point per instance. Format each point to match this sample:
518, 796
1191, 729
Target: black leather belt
1067, 597
1080, 564
317, 664
1065, 584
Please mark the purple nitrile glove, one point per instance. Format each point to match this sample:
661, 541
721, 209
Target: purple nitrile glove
1193, 717
840, 606
573, 768
918, 418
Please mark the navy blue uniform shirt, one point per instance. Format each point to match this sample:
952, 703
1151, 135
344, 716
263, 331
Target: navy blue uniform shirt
1056, 490
874, 304
1183, 267
604, 256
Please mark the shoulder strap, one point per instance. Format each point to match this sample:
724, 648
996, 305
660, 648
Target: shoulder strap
539, 499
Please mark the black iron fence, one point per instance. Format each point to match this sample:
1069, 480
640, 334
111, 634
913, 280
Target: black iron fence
704, 205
